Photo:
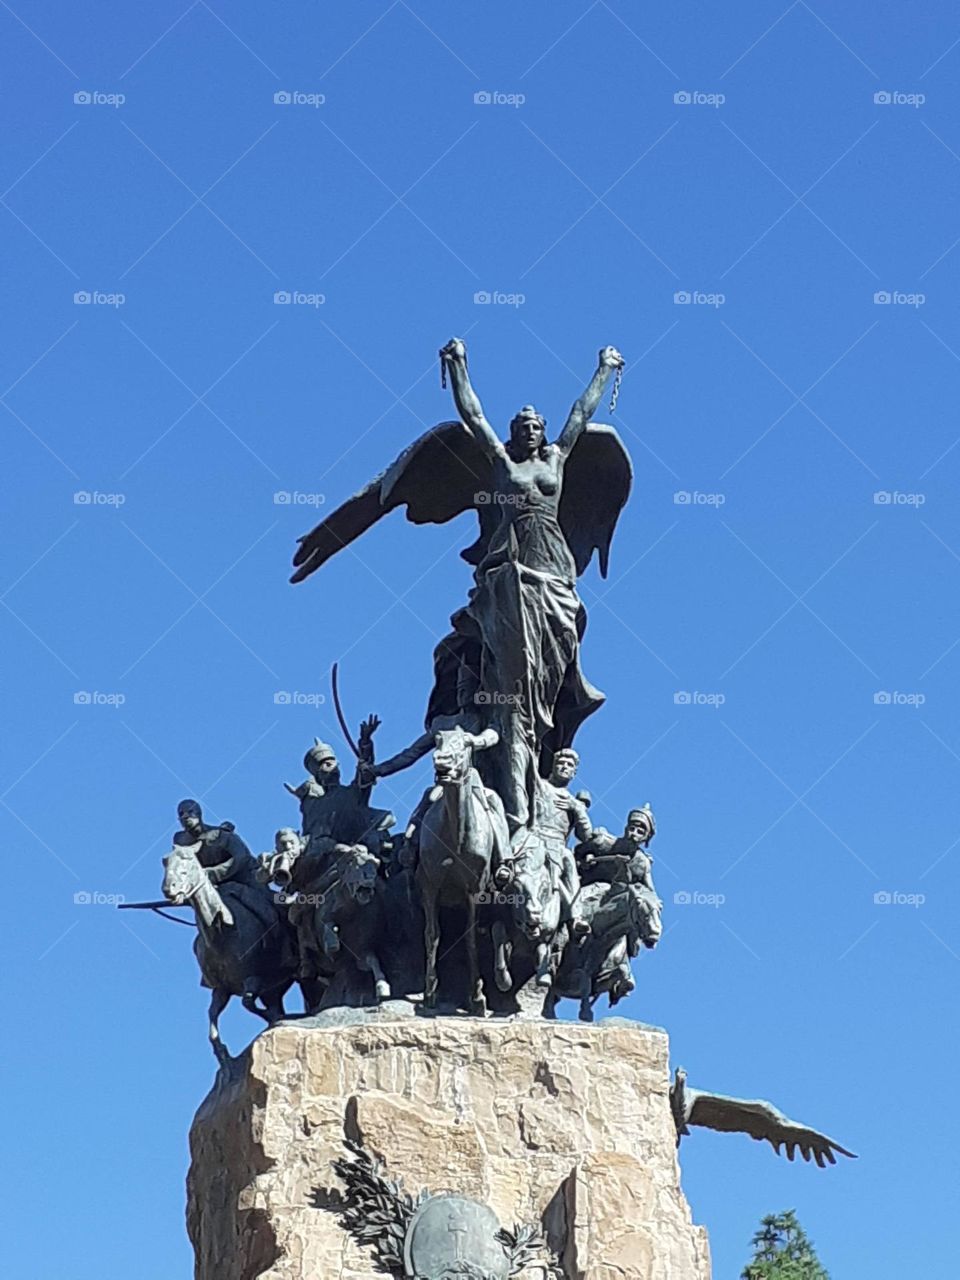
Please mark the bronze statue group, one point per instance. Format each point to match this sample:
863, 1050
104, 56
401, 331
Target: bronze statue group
500, 896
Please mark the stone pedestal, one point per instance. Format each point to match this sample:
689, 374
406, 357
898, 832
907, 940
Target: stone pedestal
561, 1124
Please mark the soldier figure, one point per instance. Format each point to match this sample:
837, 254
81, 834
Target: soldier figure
560, 814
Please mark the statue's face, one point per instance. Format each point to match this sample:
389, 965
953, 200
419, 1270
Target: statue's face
526, 432
288, 842
564, 770
327, 770
638, 828
191, 816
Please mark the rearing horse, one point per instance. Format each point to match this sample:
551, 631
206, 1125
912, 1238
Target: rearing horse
239, 953
463, 837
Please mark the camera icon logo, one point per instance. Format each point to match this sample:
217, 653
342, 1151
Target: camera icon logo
681, 298
681, 698
883, 98
483, 98
882, 298
82, 298
83, 98
282, 698
882, 898
283, 98
682, 498
282, 298
682, 898
481, 298
683, 97
83, 898
881, 698
81, 698
282, 498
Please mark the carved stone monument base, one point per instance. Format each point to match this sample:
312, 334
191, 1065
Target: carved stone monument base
559, 1124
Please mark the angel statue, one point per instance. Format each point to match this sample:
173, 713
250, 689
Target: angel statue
544, 509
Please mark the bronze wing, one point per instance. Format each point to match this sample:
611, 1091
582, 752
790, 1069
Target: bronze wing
596, 484
439, 476
762, 1121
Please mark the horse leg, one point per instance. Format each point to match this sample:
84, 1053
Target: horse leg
219, 999
371, 964
550, 1003
544, 976
478, 1004
502, 949
431, 942
251, 993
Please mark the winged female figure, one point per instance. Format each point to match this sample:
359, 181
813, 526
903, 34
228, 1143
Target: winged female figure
513, 652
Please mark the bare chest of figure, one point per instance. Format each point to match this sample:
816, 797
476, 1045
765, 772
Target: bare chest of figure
534, 481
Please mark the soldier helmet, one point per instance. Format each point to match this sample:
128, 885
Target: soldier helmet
319, 752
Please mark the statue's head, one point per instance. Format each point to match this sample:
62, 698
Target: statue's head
565, 765
190, 815
287, 841
528, 433
641, 825
321, 763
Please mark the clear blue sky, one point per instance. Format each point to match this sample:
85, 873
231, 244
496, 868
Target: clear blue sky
797, 599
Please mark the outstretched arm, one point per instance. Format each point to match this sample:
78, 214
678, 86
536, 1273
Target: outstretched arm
584, 408
454, 357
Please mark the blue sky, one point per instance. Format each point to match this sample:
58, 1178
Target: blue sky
778, 637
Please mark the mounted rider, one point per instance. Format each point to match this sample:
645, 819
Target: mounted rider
228, 863
620, 859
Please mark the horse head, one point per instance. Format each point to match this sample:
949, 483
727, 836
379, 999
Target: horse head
183, 874
184, 880
359, 873
453, 754
532, 890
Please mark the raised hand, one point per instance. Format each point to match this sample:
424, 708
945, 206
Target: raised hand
610, 358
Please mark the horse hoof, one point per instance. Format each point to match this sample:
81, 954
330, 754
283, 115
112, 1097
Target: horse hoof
383, 991
545, 981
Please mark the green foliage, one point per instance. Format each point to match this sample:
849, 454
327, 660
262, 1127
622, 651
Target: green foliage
781, 1251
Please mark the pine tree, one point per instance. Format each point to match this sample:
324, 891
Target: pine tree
781, 1251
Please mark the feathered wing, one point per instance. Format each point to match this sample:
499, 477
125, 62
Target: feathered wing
761, 1120
596, 484
439, 476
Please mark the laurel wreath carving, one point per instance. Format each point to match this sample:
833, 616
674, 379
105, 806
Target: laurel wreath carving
377, 1211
